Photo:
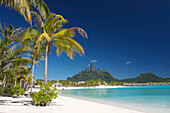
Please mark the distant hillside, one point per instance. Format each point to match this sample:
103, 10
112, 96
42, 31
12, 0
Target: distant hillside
146, 77
167, 79
92, 74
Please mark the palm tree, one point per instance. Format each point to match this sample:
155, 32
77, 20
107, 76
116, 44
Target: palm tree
10, 52
35, 51
52, 34
5, 51
24, 7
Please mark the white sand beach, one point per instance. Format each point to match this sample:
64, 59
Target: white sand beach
101, 86
60, 105
36, 89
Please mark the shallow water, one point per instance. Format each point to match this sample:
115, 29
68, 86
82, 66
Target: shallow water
150, 99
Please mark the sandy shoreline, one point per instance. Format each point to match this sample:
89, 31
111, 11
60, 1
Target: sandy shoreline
102, 86
36, 89
60, 105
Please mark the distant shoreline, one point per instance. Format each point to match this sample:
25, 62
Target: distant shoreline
90, 87
102, 86
36, 89
97, 87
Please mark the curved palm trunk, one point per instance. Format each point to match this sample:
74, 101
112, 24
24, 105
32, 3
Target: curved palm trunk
4, 84
20, 83
26, 82
46, 58
32, 74
4, 81
15, 81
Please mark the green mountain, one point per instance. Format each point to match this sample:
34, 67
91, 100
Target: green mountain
167, 79
92, 74
146, 77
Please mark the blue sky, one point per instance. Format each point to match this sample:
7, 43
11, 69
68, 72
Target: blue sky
126, 37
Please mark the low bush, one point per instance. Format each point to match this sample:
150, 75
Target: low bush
7, 91
10, 90
1, 91
18, 91
45, 95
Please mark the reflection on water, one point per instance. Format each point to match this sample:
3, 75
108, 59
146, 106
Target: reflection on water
151, 99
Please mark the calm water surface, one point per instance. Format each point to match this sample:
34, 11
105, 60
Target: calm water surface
150, 99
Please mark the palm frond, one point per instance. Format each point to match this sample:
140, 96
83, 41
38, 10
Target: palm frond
63, 47
38, 21
43, 36
1, 29
43, 9
22, 6
54, 23
71, 32
0, 41
29, 34
15, 32
76, 47
80, 31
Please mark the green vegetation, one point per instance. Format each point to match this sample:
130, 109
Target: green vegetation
22, 49
18, 91
1, 91
45, 95
24, 7
6, 91
50, 34
13, 66
67, 83
92, 74
145, 78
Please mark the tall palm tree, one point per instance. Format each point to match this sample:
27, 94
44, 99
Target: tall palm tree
24, 7
51, 34
35, 51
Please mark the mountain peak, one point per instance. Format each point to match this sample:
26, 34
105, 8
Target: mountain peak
92, 68
144, 78
91, 73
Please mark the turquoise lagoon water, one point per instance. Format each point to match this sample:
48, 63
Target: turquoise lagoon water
149, 99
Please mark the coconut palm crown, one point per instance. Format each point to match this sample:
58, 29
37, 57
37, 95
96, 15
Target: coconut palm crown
50, 33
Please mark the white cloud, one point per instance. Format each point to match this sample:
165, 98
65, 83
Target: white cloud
128, 62
94, 61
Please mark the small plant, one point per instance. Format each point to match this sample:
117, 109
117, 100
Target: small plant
1, 91
18, 91
45, 95
7, 91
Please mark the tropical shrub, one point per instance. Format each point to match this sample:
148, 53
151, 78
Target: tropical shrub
18, 91
1, 91
45, 95
7, 91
